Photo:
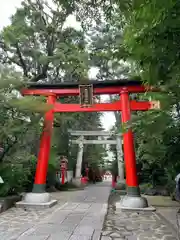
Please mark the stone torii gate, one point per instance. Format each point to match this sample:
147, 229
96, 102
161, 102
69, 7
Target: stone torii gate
81, 141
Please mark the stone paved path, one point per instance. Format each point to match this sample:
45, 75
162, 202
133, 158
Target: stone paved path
79, 215
135, 226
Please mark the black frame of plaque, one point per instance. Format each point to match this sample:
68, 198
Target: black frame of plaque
86, 95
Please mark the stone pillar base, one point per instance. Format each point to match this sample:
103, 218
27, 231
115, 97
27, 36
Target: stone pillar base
36, 200
77, 182
136, 203
37, 197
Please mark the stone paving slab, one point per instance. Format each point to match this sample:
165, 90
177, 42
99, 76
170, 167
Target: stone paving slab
135, 226
170, 214
167, 209
79, 215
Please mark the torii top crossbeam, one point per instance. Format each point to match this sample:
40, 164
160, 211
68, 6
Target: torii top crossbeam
99, 87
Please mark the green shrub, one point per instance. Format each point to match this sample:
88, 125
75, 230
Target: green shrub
14, 177
170, 186
145, 186
17, 177
53, 165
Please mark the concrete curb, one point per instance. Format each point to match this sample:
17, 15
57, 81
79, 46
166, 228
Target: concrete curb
8, 202
173, 228
26, 205
147, 209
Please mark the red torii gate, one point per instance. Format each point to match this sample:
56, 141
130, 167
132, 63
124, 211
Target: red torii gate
121, 87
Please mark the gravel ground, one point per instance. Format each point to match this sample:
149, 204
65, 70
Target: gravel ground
120, 225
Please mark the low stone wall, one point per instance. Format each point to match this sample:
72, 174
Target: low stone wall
8, 202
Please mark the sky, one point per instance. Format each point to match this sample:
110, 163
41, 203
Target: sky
8, 7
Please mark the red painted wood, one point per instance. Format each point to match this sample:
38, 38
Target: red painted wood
101, 107
124, 105
45, 145
75, 92
129, 152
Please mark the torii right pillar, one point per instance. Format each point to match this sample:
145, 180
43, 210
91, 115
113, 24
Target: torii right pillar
133, 198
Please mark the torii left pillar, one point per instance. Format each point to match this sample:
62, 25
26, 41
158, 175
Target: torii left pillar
39, 196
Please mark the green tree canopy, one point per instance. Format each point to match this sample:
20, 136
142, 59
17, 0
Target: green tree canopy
43, 48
